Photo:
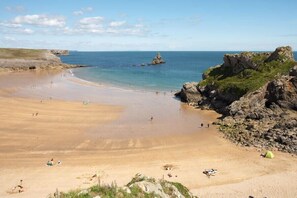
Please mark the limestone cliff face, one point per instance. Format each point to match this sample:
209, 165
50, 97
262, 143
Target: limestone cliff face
239, 62
265, 117
281, 54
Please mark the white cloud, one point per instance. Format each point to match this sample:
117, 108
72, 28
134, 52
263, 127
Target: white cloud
46, 25
91, 20
87, 9
83, 11
14, 29
10, 25
91, 25
40, 20
9, 38
15, 9
117, 23
98, 25
28, 31
79, 12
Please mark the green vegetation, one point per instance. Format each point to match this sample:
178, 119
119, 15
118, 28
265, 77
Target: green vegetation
168, 189
139, 178
182, 189
107, 191
226, 81
8, 53
259, 58
131, 190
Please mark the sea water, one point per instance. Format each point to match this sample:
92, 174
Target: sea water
125, 69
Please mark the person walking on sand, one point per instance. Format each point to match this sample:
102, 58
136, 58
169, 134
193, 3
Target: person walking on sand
201, 125
152, 118
207, 125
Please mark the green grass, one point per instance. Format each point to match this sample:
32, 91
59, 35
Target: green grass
110, 192
138, 178
182, 189
9, 53
225, 81
75, 194
113, 191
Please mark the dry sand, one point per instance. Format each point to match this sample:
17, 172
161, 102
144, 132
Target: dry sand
111, 135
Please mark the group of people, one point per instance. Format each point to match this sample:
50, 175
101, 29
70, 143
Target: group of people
203, 125
35, 114
51, 162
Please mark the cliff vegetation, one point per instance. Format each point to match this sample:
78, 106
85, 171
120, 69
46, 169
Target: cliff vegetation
139, 186
256, 93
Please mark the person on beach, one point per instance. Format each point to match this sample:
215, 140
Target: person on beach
50, 163
207, 125
19, 188
201, 124
152, 118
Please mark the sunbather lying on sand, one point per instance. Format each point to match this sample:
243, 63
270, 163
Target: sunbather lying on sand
210, 172
18, 188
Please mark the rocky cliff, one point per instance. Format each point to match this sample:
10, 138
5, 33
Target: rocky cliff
31, 59
257, 95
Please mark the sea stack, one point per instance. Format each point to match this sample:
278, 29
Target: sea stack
158, 59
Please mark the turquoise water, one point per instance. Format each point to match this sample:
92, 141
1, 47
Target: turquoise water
124, 69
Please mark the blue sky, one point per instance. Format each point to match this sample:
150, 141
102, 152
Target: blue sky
117, 25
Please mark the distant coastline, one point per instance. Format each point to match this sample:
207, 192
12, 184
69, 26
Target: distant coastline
16, 59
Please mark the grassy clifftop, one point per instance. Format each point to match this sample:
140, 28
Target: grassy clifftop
247, 72
16, 59
28, 54
224, 80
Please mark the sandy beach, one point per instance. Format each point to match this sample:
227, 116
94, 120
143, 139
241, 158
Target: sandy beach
105, 130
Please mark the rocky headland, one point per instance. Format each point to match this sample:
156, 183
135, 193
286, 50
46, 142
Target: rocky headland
12, 59
256, 93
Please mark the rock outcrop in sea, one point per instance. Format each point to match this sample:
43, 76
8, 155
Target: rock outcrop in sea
158, 59
257, 95
32, 59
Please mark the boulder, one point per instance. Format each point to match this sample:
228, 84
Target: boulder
190, 93
239, 62
281, 54
293, 71
283, 92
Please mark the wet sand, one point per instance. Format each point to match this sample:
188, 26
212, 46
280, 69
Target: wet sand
100, 129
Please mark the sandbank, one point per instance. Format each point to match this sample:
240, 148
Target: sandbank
99, 129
